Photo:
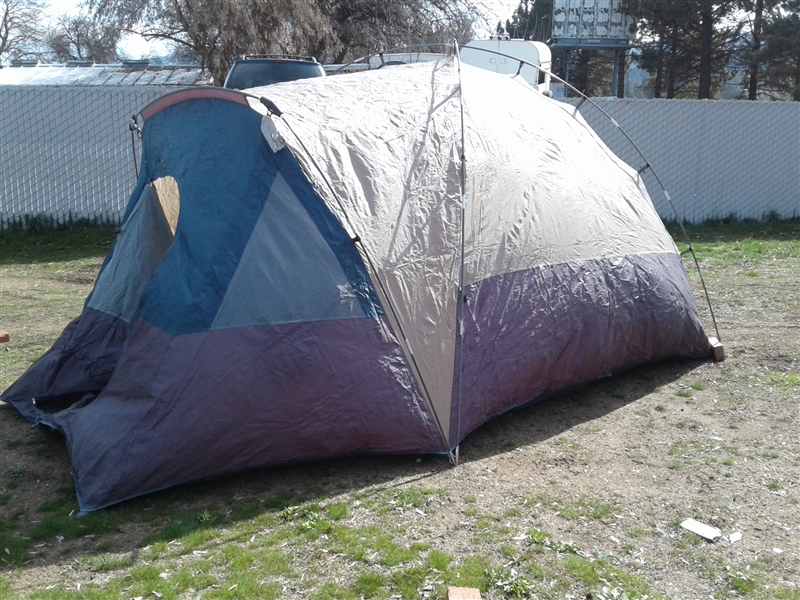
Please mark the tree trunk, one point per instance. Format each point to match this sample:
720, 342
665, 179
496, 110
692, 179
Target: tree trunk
659, 69
706, 39
673, 64
752, 92
583, 70
796, 95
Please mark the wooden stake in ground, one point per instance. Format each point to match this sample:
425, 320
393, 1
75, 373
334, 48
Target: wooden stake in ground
458, 593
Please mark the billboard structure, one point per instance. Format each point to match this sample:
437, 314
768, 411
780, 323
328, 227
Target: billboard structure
593, 25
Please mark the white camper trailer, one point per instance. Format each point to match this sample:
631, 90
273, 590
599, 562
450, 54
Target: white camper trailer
503, 55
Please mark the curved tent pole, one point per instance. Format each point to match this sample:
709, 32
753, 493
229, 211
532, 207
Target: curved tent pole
647, 165
418, 48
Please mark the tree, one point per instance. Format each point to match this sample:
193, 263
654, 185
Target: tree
688, 43
20, 29
663, 38
781, 52
364, 26
377, 24
530, 21
81, 38
219, 31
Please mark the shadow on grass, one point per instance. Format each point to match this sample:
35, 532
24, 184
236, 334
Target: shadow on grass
72, 242
32, 533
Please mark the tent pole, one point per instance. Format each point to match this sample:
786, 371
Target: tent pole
462, 297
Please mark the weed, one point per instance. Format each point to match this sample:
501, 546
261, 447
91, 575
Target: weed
510, 583
508, 551
208, 518
106, 562
587, 508
774, 486
471, 573
661, 408
439, 560
686, 448
743, 583
337, 511
409, 580
583, 570
410, 498
367, 585
333, 591
538, 537
784, 380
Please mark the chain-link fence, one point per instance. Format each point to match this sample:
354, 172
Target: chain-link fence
716, 158
66, 154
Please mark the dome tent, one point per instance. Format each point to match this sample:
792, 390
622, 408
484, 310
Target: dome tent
311, 270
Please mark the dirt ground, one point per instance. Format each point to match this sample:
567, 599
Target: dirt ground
717, 442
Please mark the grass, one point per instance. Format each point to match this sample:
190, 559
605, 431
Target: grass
732, 241
204, 552
201, 540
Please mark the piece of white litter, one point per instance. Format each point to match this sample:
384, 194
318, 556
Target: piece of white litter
704, 531
777, 551
735, 537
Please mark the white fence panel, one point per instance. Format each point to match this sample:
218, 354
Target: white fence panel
716, 158
65, 152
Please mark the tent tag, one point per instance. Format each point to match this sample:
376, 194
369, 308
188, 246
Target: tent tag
270, 133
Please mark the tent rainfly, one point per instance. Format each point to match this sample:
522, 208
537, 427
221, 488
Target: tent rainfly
368, 263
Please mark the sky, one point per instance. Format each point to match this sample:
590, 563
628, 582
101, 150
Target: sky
136, 47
